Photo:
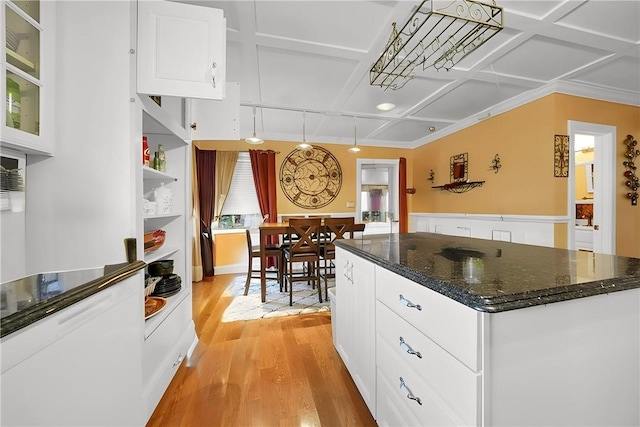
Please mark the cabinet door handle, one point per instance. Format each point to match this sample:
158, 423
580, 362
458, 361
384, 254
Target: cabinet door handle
213, 74
178, 360
404, 344
408, 391
409, 304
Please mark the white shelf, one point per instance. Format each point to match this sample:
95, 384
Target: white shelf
152, 324
19, 61
150, 173
161, 253
168, 216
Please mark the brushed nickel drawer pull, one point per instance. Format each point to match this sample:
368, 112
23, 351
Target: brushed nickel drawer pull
403, 344
408, 391
178, 360
409, 303
213, 74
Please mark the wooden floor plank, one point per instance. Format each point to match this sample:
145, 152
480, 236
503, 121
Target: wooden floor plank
267, 372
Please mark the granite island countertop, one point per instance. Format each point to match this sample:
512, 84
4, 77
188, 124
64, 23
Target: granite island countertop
494, 276
32, 298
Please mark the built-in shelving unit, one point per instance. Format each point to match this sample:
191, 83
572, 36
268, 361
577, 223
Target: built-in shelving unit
168, 334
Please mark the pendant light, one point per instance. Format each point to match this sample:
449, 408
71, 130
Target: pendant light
355, 148
303, 145
254, 140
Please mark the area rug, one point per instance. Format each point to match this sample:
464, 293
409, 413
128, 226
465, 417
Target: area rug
305, 300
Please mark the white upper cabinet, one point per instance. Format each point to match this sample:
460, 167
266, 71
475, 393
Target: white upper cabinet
181, 50
28, 75
217, 120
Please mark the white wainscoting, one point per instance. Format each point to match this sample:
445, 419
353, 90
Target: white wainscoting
529, 229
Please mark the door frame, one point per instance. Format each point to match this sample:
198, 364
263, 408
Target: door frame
604, 206
394, 186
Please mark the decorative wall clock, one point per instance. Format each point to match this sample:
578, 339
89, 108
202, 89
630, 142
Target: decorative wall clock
310, 178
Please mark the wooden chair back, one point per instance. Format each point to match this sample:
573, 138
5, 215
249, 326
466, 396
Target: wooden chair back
307, 231
337, 228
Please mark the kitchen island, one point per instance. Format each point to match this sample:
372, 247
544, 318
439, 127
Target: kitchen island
477, 332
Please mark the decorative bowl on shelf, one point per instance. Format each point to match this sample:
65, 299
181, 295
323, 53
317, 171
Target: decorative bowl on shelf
161, 267
154, 240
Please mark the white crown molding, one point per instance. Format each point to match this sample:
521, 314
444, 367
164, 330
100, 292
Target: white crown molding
567, 88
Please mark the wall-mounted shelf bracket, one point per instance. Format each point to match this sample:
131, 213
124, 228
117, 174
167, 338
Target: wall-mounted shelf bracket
459, 187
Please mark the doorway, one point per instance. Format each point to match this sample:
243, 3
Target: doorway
377, 201
596, 169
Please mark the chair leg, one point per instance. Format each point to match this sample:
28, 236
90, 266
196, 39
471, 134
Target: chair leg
317, 271
246, 285
280, 268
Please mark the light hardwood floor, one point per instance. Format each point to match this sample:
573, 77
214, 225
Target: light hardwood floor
266, 372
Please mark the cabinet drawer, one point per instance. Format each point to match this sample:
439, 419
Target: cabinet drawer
454, 383
453, 326
430, 410
392, 409
163, 351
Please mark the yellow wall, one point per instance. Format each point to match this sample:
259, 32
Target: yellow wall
525, 185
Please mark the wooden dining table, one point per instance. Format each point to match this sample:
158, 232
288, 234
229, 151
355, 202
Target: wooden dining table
270, 229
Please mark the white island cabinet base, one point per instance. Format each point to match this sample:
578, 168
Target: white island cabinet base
573, 362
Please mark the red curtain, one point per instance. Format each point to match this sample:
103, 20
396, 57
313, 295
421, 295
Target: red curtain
263, 165
206, 165
404, 213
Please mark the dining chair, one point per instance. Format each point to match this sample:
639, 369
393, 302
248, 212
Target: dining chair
254, 252
306, 249
334, 229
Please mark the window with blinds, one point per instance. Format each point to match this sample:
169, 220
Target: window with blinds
241, 208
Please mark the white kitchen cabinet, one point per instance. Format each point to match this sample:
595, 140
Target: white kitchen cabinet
78, 367
217, 120
170, 334
355, 305
28, 75
439, 362
181, 50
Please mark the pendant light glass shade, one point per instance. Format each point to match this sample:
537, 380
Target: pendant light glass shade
354, 148
254, 140
303, 145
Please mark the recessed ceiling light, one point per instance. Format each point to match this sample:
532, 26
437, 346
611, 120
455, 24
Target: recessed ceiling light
386, 106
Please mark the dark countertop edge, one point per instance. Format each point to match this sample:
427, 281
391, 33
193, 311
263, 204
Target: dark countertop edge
496, 304
29, 315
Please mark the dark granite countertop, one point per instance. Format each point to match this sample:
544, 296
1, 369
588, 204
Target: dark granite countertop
27, 300
494, 276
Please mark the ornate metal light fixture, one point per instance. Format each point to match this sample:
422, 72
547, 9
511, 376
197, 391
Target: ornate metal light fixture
435, 38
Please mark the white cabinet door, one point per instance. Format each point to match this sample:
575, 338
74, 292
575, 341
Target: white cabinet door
344, 326
89, 374
217, 120
362, 308
181, 50
27, 76
355, 305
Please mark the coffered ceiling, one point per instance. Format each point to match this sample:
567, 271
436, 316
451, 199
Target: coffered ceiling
315, 56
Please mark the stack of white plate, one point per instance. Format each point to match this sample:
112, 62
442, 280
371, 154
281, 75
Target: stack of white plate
12, 40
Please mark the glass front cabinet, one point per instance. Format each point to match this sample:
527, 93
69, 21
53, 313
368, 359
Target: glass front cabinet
28, 75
